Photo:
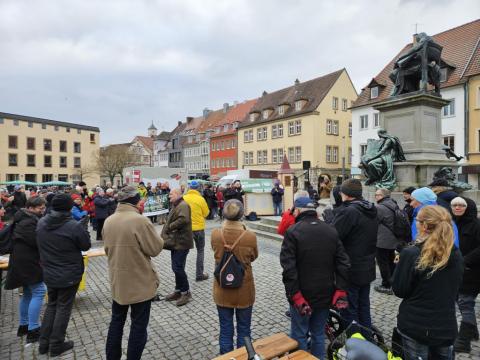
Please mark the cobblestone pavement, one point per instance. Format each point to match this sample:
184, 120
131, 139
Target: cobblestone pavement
189, 332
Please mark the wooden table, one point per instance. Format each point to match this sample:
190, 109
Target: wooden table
4, 265
299, 355
268, 348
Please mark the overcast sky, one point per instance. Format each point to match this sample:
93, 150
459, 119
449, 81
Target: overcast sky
121, 64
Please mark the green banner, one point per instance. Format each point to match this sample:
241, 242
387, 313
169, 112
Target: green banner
257, 185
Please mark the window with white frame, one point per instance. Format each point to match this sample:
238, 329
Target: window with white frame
248, 135
298, 127
259, 157
344, 104
449, 140
363, 122
329, 126
298, 105
280, 130
443, 74
449, 110
328, 154
335, 154
291, 154
298, 154
349, 155
266, 114
265, 156
281, 109
376, 120
350, 129
280, 155
225, 127
363, 149
374, 92
291, 128
335, 103
335, 127
262, 133
252, 117
217, 130
274, 156
274, 131
235, 125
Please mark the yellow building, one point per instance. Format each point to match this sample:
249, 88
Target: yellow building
473, 95
309, 121
41, 150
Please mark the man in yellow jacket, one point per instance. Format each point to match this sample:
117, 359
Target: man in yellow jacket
200, 211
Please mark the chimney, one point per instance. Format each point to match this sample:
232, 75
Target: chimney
264, 93
179, 123
206, 111
297, 82
189, 119
225, 108
235, 103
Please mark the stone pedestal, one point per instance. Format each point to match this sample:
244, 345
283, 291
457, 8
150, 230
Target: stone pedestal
415, 118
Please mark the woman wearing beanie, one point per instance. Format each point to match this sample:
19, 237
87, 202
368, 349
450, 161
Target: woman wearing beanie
427, 278
238, 301
465, 216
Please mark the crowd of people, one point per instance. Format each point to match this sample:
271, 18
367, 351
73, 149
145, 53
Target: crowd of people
428, 254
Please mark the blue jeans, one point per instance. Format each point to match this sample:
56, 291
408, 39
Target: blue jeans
314, 325
358, 306
413, 350
139, 315
179, 258
225, 316
277, 209
31, 304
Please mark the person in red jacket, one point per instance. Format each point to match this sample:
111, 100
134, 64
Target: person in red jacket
2, 213
288, 217
220, 202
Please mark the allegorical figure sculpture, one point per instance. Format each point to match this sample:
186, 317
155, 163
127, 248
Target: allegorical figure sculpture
446, 173
418, 67
379, 158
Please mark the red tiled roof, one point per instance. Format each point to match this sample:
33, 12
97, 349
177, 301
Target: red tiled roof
146, 141
239, 112
213, 119
312, 90
460, 49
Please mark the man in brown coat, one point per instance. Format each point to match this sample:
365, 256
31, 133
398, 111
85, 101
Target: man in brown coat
130, 243
238, 301
178, 236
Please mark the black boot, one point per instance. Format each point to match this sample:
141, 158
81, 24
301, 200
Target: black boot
462, 343
33, 335
42, 348
475, 332
61, 348
22, 330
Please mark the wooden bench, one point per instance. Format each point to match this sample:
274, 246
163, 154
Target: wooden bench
268, 348
299, 355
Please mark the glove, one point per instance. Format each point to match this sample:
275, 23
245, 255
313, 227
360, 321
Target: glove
340, 299
301, 305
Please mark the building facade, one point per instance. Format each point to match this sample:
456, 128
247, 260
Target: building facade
41, 150
308, 121
459, 45
175, 146
160, 151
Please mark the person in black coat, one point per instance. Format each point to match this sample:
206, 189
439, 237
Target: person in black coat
315, 273
211, 200
408, 208
357, 226
24, 268
465, 216
19, 198
234, 192
61, 241
444, 193
427, 278
103, 207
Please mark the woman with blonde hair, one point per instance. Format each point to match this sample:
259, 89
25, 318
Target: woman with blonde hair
428, 277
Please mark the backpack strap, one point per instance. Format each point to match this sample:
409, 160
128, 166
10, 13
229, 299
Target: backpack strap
231, 247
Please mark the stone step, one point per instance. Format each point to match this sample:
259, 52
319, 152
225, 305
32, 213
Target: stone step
258, 225
266, 235
270, 220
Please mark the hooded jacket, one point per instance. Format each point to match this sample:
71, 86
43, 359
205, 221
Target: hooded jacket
313, 260
61, 241
199, 209
24, 263
386, 239
78, 213
469, 235
357, 226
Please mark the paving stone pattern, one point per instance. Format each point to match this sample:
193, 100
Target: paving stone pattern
189, 332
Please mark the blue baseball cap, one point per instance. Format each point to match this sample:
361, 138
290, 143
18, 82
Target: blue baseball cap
304, 203
194, 184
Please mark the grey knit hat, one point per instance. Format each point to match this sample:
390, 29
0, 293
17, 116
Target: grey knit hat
233, 210
129, 194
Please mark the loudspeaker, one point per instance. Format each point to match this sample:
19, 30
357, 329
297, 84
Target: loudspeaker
306, 165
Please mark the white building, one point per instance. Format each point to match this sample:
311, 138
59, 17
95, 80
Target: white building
366, 120
160, 150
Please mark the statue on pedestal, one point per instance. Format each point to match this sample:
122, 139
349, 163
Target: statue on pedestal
446, 173
379, 158
418, 67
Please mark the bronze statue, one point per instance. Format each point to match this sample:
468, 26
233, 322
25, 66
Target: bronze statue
379, 158
450, 154
447, 174
418, 67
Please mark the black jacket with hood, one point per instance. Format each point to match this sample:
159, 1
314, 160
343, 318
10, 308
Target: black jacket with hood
60, 242
313, 260
357, 226
469, 237
24, 263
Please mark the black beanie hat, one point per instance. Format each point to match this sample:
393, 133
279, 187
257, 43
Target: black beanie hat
352, 188
62, 202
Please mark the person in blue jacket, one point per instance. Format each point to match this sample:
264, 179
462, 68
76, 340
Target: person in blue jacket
77, 212
423, 197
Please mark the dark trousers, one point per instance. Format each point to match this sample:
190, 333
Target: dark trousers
385, 262
57, 315
179, 259
225, 316
139, 316
358, 305
100, 223
199, 239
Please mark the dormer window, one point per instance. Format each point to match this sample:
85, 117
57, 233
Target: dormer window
443, 74
298, 105
374, 92
252, 117
281, 110
217, 130
235, 125
266, 114
225, 128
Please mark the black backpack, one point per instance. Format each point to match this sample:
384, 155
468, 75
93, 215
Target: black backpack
401, 226
230, 271
6, 245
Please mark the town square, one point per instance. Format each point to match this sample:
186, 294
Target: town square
240, 180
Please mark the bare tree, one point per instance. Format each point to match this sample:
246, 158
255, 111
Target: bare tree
112, 159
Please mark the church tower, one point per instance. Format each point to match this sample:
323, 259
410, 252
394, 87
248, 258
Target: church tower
152, 130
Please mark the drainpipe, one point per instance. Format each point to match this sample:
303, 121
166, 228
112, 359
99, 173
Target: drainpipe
466, 122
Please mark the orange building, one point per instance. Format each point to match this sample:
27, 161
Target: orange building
223, 141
